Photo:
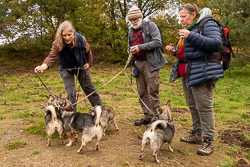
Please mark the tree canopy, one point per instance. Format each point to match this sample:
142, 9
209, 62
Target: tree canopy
104, 23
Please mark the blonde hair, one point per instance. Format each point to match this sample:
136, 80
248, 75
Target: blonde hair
190, 8
66, 25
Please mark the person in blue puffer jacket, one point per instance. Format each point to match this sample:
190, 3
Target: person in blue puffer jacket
199, 68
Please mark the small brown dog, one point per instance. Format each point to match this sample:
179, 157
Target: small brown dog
53, 119
107, 116
160, 132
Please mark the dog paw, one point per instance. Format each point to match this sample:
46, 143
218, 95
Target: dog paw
140, 157
68, 145
170, 149
117, 129
157, 161
97, 148
48, 144
79, 151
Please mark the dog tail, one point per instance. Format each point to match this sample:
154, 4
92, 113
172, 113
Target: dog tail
52, 110
98, 111
154, 125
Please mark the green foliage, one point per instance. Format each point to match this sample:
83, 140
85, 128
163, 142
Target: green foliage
248, 156
238, 22
26, 114
35, 152
2, 117
168, 22
37, 128
183, 152
15, 145
234, 149
105, 27
102, 22
227, 165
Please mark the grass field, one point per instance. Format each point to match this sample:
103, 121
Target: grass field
23, 97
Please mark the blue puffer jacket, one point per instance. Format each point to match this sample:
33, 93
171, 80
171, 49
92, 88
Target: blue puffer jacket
195, 48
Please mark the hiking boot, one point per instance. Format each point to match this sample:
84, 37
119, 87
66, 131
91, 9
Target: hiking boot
141, 122
206, 148
192, 138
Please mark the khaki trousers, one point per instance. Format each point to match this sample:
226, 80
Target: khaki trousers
148, 84
200, 102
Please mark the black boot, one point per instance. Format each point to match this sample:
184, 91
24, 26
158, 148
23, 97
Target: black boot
140, 122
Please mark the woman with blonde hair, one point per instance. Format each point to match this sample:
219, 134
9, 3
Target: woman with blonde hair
75, 58
199, 68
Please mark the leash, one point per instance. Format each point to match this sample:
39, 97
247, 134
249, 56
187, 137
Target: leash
48, 91
127, 63
130, 82
80, 78
85, 78
45, 86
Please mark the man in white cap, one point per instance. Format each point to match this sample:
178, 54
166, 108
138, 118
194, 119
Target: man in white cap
144, 41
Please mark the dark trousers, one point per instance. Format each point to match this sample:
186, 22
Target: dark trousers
85, 82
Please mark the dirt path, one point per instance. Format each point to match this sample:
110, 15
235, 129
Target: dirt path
118, 148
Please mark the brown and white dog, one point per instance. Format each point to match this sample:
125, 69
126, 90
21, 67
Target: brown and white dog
76, 122
53, 119
160, 132
107, 116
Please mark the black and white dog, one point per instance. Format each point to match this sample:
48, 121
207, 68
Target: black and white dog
160, 132
107, 116
87, 124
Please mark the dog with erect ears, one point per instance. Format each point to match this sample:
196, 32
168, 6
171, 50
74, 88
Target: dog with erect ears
87, 124
53, 119
160, 131
107, 116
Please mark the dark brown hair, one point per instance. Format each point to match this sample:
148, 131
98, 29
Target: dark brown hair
190, 8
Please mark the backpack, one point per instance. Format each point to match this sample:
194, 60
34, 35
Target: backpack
148, 34
226, 48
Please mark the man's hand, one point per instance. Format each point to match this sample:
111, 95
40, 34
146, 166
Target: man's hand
134, 49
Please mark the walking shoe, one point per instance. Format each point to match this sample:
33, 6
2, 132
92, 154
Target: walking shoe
192, 138
206, 148
140, 122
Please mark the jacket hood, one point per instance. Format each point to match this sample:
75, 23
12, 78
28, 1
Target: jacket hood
204, 13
